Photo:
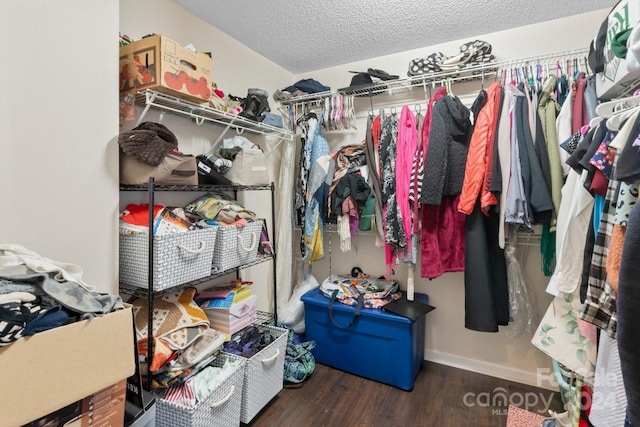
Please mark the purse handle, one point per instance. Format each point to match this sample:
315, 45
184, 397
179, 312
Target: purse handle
359, 304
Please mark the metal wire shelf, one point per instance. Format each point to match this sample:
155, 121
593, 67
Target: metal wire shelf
143, 293
202, 113
265, 318
199, 187
464, 74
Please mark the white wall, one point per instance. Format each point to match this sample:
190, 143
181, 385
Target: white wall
236, 68
58, 123
447, 340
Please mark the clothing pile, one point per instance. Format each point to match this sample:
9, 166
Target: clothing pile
249, 341
199, 387
183, 342
149, 142
38, 294
472, 54
299, 88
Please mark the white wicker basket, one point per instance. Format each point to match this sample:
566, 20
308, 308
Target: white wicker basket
177, 258
220, 409
236, 246
263, 378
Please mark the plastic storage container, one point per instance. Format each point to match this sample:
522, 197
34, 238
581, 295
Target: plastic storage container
380, 346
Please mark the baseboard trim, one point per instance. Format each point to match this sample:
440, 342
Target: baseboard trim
494, 370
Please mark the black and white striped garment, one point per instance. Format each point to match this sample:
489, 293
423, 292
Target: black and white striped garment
417, 175
14, 316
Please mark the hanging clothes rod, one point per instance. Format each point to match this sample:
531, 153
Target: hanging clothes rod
464, 74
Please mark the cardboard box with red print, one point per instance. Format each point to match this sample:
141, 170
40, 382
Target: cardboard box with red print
159, 63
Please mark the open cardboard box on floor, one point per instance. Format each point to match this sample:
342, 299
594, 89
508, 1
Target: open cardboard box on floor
56, 368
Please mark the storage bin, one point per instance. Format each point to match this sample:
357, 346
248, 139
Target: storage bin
380, 346
236, 246
220, 409
263, 376
177, 258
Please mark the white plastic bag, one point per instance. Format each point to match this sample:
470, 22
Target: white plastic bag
292, 314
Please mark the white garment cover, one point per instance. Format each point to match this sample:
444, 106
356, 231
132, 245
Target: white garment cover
284, 215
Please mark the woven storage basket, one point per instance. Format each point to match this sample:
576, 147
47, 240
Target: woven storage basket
177, 258
220, 409
236, 246
263, 377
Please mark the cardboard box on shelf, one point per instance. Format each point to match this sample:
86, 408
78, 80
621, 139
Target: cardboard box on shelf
159, 63
59, 367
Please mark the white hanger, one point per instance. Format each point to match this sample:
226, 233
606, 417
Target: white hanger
610, 108
614, 122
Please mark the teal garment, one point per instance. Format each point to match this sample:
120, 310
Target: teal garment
619, 43
598, 209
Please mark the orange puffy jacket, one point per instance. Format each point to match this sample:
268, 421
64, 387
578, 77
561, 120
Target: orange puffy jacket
477, 174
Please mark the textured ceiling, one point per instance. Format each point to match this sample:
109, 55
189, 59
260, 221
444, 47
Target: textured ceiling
311, 35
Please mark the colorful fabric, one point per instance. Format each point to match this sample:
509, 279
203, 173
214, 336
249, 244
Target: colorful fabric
395, 238
182, 394
442, 246
603, 158
177, 319
316, 197
476, 164
559, 336
218, 208
517, 417
615, 255
407, 144
600, 304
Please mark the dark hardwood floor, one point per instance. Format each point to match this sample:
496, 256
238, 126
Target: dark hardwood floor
442, 397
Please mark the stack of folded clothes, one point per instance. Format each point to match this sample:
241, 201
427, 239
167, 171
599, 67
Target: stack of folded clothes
472, 54
299, 88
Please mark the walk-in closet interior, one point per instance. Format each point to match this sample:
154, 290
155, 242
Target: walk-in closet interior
329, 214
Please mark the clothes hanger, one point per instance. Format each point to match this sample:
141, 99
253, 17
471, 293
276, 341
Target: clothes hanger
352, 113
449, 90
614, 122
610, 108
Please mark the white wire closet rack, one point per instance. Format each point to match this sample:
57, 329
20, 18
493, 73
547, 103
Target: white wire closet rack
571, 58
201, 113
